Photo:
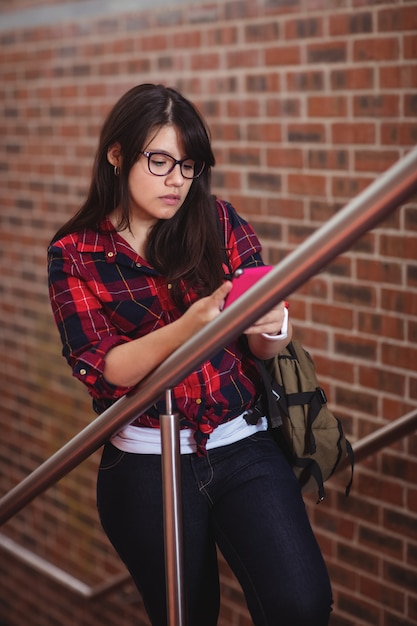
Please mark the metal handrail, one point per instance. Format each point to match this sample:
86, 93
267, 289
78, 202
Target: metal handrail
361, 214
372, 443
58, 575
384, 436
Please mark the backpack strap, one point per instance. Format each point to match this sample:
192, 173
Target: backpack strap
312, 469
314, 400
351, 457
273, 396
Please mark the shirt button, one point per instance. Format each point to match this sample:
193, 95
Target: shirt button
110, 254
138, 264
169, 286
83, 372
198, 401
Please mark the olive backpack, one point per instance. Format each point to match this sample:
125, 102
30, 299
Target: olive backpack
300, 420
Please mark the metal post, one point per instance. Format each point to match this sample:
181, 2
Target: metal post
172, 505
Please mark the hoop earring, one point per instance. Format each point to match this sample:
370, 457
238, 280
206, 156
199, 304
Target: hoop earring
116, 170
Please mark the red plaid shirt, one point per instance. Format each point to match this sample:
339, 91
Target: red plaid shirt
104, 294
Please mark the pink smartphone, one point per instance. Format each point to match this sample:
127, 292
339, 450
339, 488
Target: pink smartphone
244, 281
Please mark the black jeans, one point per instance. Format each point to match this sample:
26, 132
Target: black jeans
243, 498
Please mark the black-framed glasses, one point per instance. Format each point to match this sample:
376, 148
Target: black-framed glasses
161, 164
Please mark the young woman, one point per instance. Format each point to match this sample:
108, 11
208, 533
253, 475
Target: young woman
138, 271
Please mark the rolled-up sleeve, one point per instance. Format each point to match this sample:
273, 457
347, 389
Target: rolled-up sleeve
86, 332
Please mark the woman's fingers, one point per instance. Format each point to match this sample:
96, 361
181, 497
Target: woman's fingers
270, 323
221, 293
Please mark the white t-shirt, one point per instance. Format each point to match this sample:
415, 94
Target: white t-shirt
141, 440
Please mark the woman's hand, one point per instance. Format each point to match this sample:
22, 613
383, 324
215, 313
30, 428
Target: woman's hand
270, 323
264, 346
206, 309
128, 363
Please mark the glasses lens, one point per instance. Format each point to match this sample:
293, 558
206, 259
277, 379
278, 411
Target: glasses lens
191, 169
161, 164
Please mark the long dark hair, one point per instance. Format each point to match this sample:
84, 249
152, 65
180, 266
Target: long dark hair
187, 246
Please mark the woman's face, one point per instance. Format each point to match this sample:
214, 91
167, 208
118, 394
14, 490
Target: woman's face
158, 197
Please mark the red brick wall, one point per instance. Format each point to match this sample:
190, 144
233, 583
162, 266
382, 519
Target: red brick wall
308, 102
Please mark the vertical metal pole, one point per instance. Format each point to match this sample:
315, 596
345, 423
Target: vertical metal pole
172, 503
